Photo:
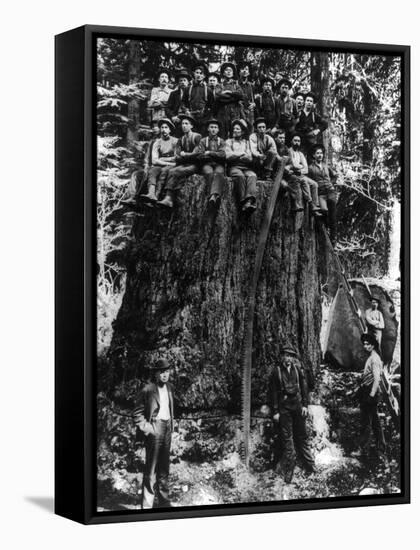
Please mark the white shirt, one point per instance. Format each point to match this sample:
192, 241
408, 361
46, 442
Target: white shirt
164, 412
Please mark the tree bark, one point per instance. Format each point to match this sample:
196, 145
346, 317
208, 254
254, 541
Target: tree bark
187, 286
134, 76
320, 86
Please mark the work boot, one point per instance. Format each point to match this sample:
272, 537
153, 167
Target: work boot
151, 195
249, 206
167, 202
315, 210
214, 201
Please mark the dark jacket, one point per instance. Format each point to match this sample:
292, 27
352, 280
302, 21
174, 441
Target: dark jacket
187, 145
175, 104
309, 123
289, 391
148, 404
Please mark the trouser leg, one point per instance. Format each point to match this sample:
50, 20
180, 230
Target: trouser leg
163, 178
365, 424
239, 185
377, 428
177, 176
153, 445
332, 213
218, 180
269, 161
250, 184
162, 470
137, 180
295, 192
313, 186
306, 190
288, 459
301, 440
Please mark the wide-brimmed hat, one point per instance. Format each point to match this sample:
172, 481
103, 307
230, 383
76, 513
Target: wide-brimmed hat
200, 65
289, 350
369, 338
226, 64
212, 121
166, 121
214, 73
243, 64
267, 79
258, 120
242, 123
182, 73
159, 365
284, 81
188, 117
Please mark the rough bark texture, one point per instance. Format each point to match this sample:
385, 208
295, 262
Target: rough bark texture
187, 286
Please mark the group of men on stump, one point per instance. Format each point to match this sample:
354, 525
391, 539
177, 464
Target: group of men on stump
215, 124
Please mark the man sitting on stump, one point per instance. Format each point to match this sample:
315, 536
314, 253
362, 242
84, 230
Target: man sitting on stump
163, 159
289, 405
239, 160
185, 158
211, 153
263, 150
297, 170
320, 172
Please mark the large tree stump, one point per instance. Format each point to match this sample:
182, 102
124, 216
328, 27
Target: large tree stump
187, 287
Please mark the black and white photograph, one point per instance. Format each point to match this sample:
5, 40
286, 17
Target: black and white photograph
248, 274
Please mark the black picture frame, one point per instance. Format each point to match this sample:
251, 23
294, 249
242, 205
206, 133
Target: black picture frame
75, 293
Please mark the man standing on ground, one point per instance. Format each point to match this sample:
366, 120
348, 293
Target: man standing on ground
154, 415
375, 321
369, 394
289, 405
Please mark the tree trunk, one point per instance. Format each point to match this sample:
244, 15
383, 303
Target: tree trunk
134, 67
187, 286
320, 85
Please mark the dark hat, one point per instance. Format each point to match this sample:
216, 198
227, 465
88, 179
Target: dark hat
299, 93
295, 134
217, 75
258, 120
285, 81
289, 350
200, 65
163, 70
212, 121
188, 117
369, 338
226, 64
159, 365
243, 64
166, 121
311, 94
183, 73
242, 123
267, 79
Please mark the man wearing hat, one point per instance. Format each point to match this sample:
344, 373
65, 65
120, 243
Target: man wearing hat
176, 101
211, 153
248, 91
320, 172
239, 160
154, 415
288, 395
197, 97
286, 108
369, 393
228, 99
266, 103
159, 97
163, 159
375, 320
297, 172
185, 158
263, 150
214, 89
310, 125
